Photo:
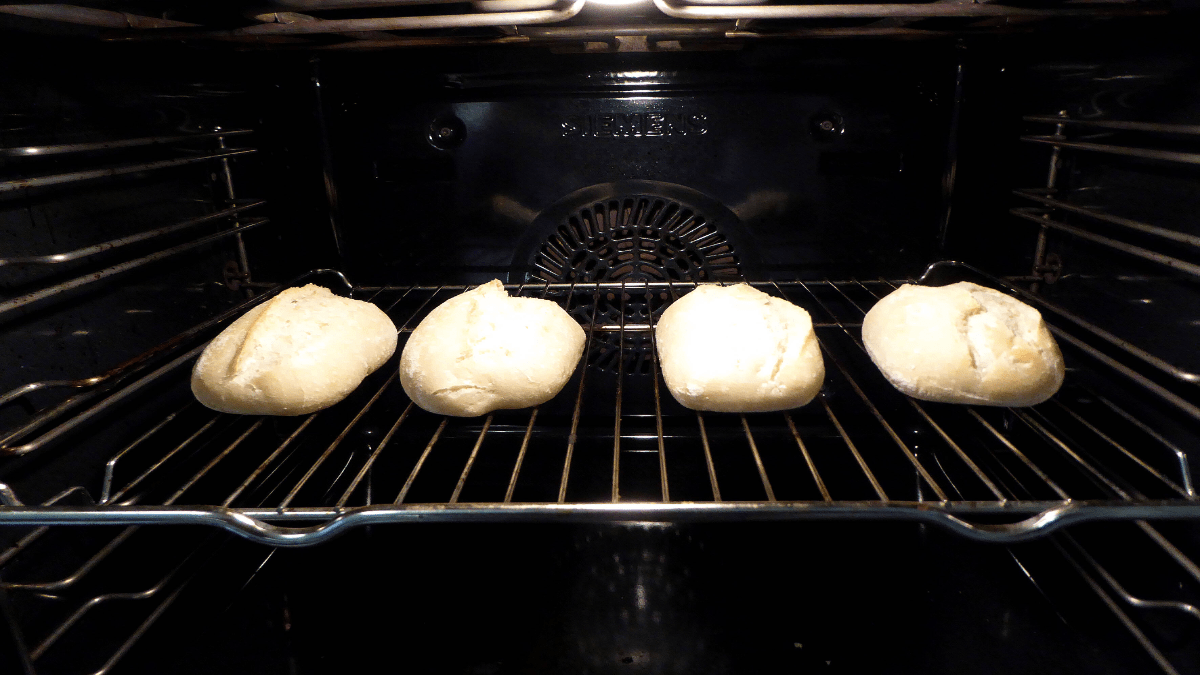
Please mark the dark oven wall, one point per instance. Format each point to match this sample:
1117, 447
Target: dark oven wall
1103, 228
140, 259
815, 161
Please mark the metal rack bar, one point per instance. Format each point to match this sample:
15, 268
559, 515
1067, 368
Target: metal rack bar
512, 482
80, 572
315, 5
853, 450
1178, 556
573, 437
110, 466
1020, 455
1180, 456
79, 613
421, 462
1130, 626
925, 475
338, 441
68, 256
1140, 153
387, 438
8, 306
74, 422
1128, 223
762, 471
1066, 449
1170, 397
1118, 125
269, 526
243, 259
468, 20
656, 374
808, 459
881, 11
1123, 450
24, 542
68, 148
1125, 595
270, 458
1143, 253
222, 455
470, 461
708, 460
216, 417
89, 174
958, 451
1125, 620
141, 630
616, 465
88, 16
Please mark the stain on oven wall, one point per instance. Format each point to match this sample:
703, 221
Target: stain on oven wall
828, 163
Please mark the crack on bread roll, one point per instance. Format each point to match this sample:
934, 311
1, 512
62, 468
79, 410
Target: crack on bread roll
301, 351
484, 350
737, 349
963, 343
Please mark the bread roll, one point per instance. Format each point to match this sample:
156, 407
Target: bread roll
737, 349
301, 351
963, 343
483, 351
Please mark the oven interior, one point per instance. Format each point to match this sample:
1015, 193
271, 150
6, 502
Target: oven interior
152, 190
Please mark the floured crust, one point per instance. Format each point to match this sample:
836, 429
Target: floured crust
484, 350
737, 349
963, 343
301, 351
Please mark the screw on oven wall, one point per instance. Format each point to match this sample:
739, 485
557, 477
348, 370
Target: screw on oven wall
446, 132
826, 125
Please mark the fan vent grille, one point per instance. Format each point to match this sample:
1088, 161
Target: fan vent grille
638, 238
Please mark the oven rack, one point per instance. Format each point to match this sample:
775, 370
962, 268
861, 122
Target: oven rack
613, 446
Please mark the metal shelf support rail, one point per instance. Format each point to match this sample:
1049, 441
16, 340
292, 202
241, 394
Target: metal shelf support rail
296, 521
94, 249
883, 10
69, 148
89, 174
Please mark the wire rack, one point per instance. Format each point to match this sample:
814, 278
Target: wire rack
614, 446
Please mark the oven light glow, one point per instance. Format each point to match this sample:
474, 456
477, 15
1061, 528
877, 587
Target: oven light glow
615, 3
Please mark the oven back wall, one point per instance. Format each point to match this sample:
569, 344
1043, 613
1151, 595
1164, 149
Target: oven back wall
805, 164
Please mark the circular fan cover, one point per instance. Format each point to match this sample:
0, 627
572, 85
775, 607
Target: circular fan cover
633, 238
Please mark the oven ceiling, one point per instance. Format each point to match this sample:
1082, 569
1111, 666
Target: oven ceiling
574, 25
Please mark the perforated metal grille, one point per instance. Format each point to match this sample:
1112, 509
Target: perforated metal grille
635, 238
